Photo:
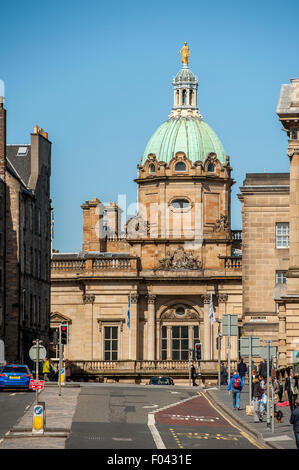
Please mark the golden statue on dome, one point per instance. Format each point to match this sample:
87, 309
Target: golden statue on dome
185, 54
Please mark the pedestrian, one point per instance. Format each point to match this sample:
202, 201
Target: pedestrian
263, 400
242, 369
46, 369
193, 375
223, 374
257, 393
263, 369
294, 420
54, 372
278, 389
236, 385
68, 370
291, 387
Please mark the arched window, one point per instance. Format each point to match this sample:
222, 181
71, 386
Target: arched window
211, 168
180, 204
180, 166
184, 97
190, 97
152, 168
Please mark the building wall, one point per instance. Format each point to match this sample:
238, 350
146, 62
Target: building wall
265, 202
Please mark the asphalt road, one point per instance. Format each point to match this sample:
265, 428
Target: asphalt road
13, 405
121, 417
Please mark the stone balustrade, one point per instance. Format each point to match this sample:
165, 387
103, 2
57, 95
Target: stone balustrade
142, 366
103, 264
236, 235
68, 265
233, 263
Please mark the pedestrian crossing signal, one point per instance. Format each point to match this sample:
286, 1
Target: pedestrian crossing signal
64, 333
197, 351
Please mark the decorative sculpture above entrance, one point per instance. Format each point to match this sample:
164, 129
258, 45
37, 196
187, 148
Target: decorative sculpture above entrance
179, 261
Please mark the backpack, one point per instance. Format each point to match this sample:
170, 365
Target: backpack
237, 383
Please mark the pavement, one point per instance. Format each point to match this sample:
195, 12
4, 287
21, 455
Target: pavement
60, 410
281, 438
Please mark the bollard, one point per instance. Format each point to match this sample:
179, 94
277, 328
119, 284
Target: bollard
39, 418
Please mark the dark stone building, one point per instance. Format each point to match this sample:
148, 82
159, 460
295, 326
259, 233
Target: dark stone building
25, 172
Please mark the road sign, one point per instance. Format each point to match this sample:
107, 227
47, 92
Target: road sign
42, 352
245, 344
233, 321
36, 384
264, 352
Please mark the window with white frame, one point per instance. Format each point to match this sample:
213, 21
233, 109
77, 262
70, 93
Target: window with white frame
110, 343
281, 277
282, 235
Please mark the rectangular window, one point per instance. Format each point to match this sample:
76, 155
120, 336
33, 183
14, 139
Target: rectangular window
281, 277
110, 343
180, 343
282, 235
164, 343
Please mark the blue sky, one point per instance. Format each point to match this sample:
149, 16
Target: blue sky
97, 76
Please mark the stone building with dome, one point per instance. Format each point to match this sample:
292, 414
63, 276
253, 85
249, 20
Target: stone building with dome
163, 267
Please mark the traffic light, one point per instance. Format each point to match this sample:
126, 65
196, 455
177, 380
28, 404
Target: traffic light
218, 342
197, 351
64, 333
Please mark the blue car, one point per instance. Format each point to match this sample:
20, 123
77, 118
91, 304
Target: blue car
15, 376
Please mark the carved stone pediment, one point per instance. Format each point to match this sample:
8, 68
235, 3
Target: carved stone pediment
170, 314
56, 318
137, 227
179, 261
221, 224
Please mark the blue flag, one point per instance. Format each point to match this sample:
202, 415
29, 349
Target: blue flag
129, 312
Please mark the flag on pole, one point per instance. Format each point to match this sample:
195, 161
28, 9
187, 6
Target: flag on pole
211, 315
129, 312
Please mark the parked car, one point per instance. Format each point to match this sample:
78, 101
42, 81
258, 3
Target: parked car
15, 376
161, 381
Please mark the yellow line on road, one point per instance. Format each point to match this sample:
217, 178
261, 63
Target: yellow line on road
176, 438
244, 434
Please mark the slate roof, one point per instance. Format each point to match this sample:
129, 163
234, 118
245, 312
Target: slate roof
19, 165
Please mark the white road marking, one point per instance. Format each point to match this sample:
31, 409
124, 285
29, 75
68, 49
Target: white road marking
150, 406
122, 439
156, 436
174, 392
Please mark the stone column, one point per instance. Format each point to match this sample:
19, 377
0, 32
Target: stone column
206, 343
151, 327
293, 273
134, 327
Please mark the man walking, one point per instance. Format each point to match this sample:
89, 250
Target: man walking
236, 386
242, 369
46, 369
294, 420
291, 387
193, 376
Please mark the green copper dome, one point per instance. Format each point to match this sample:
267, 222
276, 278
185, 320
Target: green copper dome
190, 135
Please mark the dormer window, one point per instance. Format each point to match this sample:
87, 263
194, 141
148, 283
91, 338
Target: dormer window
152, 168
180, 166
211, 168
